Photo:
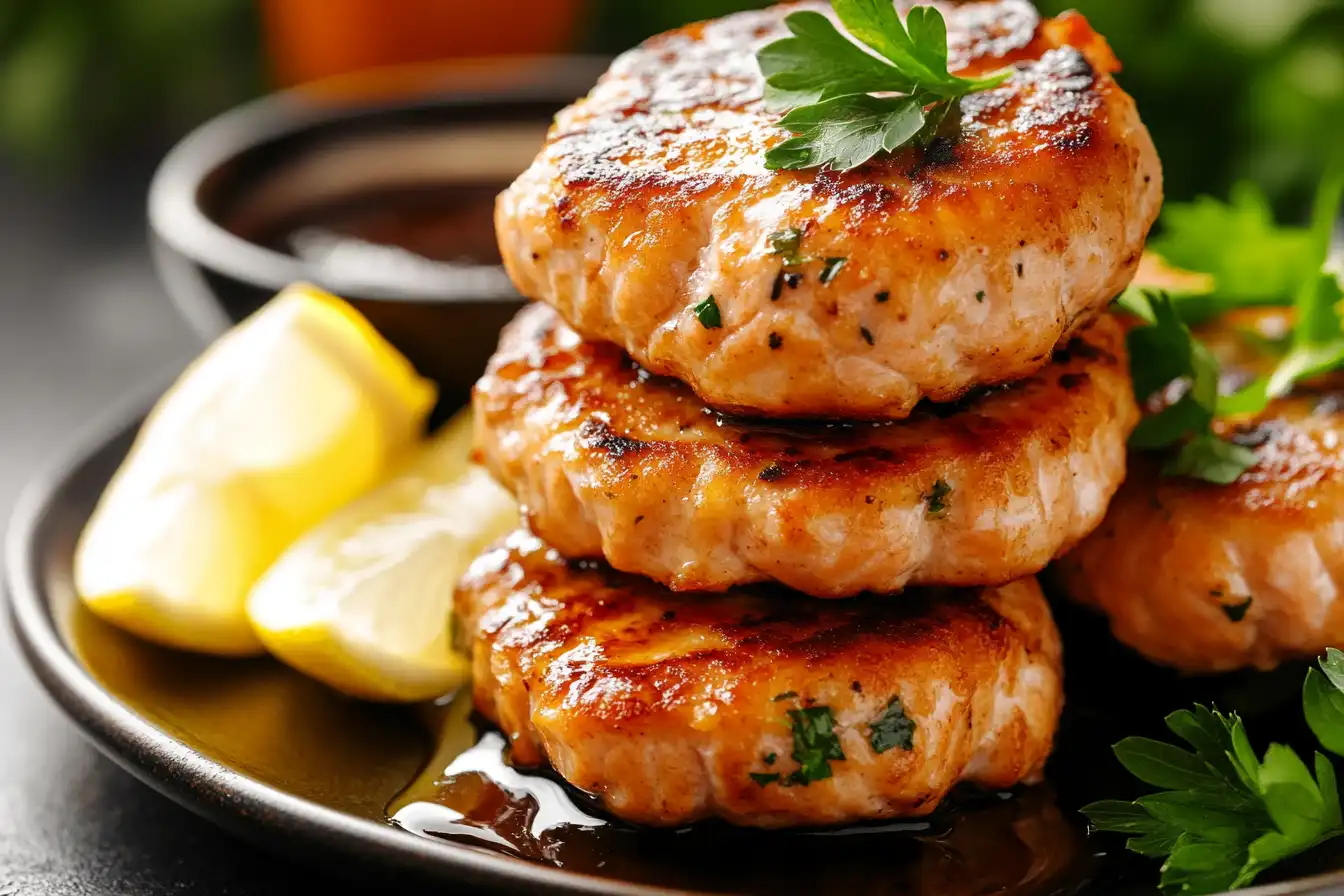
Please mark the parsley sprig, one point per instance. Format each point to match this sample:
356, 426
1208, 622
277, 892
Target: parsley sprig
892, 729
826, 83
815, 743
1161, 353
1164, 350
1317, 345
1251, 259
1224, 814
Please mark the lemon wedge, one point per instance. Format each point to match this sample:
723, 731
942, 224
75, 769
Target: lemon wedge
285, 418
363, 601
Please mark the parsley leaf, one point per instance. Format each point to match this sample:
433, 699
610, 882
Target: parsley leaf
707, 312
1317, 345
1225, 815
787, 243
1218, 239
815, 743
830, 268
1212, 459
847, 131
892, 729
1252, 259
1323, 701
820, 63
936, 500
1164, 352
825, 82
917, 49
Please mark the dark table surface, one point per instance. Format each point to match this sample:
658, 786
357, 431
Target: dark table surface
83, 320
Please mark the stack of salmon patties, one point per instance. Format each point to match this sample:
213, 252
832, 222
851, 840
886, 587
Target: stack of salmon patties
791, 446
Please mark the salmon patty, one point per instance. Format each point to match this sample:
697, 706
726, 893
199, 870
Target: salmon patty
761, 706
1210, 578
609, 461
921, 274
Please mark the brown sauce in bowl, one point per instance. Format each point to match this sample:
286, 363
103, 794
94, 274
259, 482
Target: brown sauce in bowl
450, 224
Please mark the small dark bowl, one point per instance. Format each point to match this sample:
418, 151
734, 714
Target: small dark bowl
229, 204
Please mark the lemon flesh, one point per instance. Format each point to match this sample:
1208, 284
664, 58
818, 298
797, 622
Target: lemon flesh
285, 418
363, 601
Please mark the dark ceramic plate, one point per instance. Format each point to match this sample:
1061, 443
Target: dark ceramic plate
278, 759
285, 763
248, 744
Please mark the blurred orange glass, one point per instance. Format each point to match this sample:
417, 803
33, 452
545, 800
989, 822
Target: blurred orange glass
313, 39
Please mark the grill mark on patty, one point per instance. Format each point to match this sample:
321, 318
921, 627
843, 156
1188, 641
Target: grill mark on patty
597, 433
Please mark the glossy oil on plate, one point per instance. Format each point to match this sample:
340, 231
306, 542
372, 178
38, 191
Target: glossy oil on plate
424, 791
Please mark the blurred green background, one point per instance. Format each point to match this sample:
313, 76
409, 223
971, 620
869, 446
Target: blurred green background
1230, 88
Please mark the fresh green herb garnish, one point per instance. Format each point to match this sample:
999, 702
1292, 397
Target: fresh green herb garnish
1323, 701
980, 296
1223, 814
830, 268
1317, 344
787, 243
892, 729
1252, 260
825, 82
1160, 353
1212, 459
936, 500
707, 312
1164, 351
815, 743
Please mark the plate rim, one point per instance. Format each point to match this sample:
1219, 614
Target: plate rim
227, 798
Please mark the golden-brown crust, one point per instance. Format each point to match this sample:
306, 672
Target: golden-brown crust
610, 461
664, 704
652, 194
1210, 578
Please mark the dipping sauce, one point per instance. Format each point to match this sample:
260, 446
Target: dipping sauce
431, 234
